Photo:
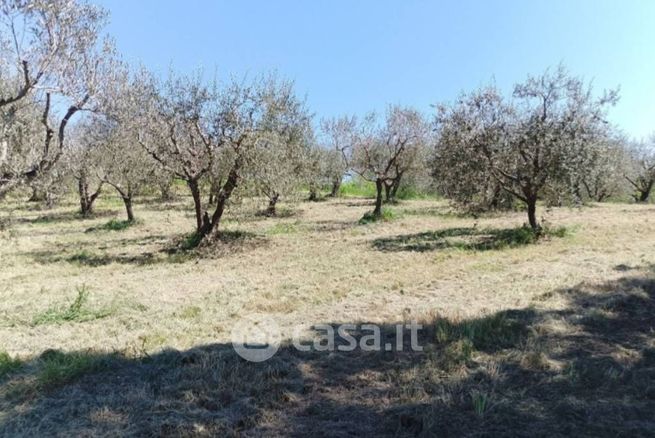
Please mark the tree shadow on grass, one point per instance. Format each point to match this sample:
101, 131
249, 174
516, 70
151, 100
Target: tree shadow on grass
179, 249
586, 369
471, 238
65, 216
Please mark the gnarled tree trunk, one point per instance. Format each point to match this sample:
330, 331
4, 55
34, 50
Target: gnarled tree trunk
127, 200
38, 195
210, 224
531, 202
644, 193
86, 197
272, 203
336, 185
197, 203
313, 194
377, 212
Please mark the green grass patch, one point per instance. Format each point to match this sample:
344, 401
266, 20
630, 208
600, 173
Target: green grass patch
58, 368
87, 258
191, 241
8, 364
113, 225
358, 188
480, 403
76, 311
408, 193
386, 216
282, 228
117, 225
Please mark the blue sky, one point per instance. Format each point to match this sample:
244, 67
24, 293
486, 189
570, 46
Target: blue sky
356, 56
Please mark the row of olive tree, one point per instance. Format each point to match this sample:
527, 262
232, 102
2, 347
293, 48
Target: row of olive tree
549, 140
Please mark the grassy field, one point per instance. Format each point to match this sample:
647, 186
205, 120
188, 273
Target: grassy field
108, 329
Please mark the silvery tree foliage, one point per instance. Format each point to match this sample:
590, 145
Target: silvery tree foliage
383, 151
195, 131
50, 59
81, 160
278, 161
606, 165
524, 145
640, 172
337, 136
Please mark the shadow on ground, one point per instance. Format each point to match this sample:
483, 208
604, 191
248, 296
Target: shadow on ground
179, 249
586, 369
66, 216
471, 238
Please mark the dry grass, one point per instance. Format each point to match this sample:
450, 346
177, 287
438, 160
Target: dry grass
318, 265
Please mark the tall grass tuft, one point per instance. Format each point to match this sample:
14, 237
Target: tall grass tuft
76, 311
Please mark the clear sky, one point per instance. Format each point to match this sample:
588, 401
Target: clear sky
355, 56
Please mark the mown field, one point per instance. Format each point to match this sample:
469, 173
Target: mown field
114, 330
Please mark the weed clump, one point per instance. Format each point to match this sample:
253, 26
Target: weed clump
57, 368
76, 311
8, 364
117, 225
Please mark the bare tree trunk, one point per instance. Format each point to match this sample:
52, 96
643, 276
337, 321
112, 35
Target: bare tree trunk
602, 196
127, 200
272, 202
645, 191
210, 225
197, 203
395, 185
387, 192
313, 194
336, 185
83, 190
38, 195
86, 198
377, 212
532, 214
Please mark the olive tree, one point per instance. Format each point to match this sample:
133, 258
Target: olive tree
525, 144
277, 161
195, 130
81, 160
319, 170
383, 152
49, 60
606, 164
120, 162
337, 136
641, 169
